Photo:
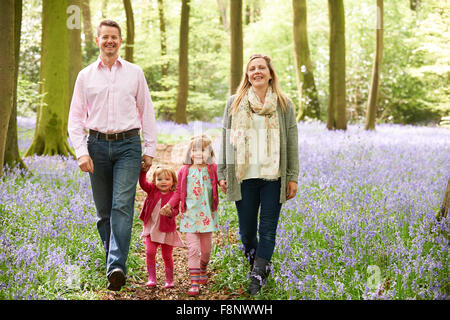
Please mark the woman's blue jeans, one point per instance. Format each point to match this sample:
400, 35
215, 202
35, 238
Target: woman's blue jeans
116, 171
265, 195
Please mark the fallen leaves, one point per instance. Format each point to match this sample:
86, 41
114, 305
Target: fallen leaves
135, 288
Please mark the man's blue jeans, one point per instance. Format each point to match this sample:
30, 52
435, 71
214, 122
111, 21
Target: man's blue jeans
256, 194
116, 171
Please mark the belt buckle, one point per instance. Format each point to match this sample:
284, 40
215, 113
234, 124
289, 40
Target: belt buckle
113, 135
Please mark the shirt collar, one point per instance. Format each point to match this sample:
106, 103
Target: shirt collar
99, 63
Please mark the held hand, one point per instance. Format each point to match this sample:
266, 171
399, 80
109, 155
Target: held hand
86, 164
146, 162
223, 186
166, 210
291, 190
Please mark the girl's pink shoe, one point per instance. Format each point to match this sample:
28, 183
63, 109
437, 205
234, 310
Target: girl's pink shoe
169, 278
151, 276
203, 279
150, 283
194, 290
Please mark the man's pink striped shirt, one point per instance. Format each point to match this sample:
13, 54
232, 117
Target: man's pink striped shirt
111, 101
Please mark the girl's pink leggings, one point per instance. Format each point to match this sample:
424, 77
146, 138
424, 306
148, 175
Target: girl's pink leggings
166, 252
199, 248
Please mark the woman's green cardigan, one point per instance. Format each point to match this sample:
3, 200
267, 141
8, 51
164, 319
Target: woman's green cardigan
288, 152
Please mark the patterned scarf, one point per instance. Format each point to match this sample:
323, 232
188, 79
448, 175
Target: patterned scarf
242, 131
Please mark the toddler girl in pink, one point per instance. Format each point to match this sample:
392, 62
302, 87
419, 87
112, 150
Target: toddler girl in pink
159, 230
198, 199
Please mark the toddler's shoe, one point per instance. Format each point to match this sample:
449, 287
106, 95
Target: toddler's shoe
194, 289
203, 279
194, 274
151, 276
151, 284
169, 278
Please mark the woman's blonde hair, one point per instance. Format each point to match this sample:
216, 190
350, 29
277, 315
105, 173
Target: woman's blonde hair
245, 84
198, 141
166, 171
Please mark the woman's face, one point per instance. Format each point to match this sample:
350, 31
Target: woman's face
258, 73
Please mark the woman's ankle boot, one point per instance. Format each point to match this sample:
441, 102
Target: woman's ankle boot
258, 275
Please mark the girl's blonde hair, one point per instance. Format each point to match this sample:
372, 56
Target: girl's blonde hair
166, 171
205, 143
245, 84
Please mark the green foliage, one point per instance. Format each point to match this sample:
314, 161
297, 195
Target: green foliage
28, 97
414, 77
207, 83
52, 247
30, 40
415, 64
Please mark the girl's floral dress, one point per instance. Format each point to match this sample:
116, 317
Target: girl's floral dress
198, 217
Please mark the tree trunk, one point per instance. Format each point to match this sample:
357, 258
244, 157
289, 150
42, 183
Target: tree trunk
7, 67
183, 70
129, 45
256, 10
445, 206
414, 4
74, 51
163, 36
50, 136
307, 91
165, 113
104, 9
248, 14
12, 156
237, 54
222, 4
336, 101
90, 49
377, 63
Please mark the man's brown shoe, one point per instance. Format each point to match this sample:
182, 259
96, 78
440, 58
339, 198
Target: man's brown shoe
116, 279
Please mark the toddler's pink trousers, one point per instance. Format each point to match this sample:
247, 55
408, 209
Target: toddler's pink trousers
166, 252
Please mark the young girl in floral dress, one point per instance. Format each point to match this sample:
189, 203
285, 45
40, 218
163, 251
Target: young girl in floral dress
159, 230
197, 196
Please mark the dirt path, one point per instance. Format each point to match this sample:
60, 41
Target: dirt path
135, 289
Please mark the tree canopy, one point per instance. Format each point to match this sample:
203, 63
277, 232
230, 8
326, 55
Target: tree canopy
413, 84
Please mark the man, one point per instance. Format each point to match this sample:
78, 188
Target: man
112, 100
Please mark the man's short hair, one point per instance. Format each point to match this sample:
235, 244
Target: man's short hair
109, 23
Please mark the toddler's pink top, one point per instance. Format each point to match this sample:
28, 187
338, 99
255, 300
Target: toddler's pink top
151, 228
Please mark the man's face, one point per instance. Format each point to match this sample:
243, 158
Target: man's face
109, 41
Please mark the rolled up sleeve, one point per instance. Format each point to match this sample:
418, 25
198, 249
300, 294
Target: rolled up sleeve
77, 119
147, 116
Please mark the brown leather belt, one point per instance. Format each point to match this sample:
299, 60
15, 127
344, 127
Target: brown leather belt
114, 136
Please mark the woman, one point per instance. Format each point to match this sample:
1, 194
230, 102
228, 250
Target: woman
258, 163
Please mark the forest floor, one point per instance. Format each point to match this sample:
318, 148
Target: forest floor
136, 289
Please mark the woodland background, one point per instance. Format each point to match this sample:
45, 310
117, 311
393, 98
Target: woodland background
371, 91
193, 53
